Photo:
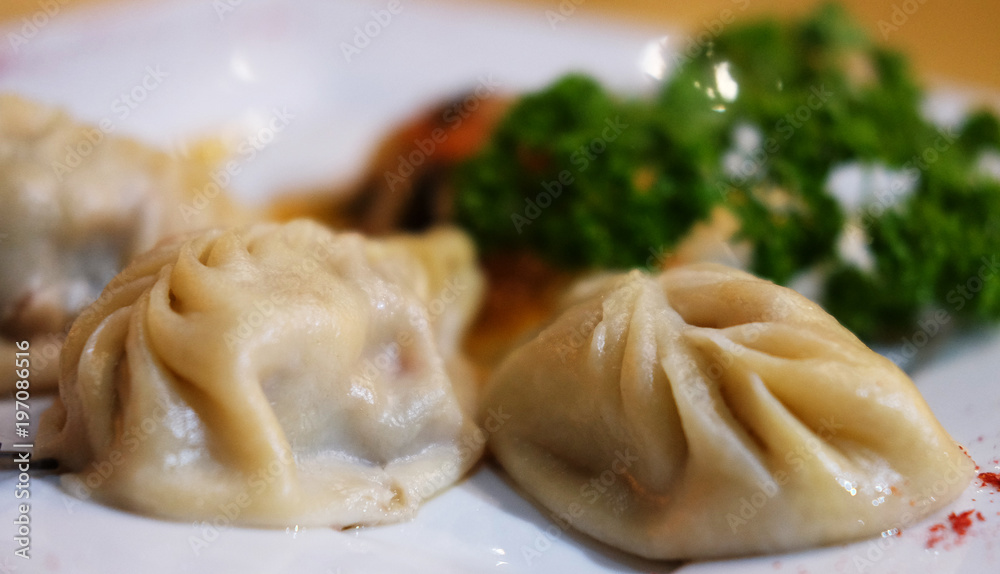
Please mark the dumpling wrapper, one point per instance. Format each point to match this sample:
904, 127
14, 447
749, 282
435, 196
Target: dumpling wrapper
79, 202
272, 375
704, 413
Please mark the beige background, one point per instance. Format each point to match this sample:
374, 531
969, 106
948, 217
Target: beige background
949, 40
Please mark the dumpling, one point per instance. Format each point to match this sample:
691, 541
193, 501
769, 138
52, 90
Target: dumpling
703, 412
272, 374
79, 202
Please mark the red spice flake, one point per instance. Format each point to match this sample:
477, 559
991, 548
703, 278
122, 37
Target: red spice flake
990, 479
935, 538
968, 456
960, 523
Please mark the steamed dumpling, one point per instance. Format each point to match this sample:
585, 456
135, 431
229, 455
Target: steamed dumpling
303, 375
704, 412
79, 202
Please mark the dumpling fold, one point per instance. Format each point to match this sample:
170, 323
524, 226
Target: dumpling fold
275, 375
703, 412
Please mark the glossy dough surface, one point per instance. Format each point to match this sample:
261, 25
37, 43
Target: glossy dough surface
274, 375
704, 412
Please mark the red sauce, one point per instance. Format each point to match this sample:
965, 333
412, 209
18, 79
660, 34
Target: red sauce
990, 479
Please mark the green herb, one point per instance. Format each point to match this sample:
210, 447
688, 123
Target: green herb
755, 121
821, 94
584, 178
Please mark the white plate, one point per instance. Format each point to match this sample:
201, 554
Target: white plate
231, 66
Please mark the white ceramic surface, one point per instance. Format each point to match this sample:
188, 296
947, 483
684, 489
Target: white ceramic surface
231, 66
